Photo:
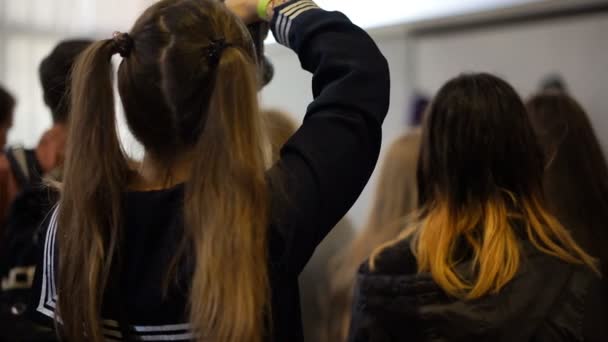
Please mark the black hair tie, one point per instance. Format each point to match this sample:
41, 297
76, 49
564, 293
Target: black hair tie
215, 50
123, 44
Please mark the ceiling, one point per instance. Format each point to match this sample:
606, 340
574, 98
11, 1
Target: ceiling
106, 16
372, 14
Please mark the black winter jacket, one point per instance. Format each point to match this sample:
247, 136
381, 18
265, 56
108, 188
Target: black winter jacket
548, 300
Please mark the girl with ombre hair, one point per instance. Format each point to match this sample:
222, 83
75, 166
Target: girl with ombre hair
484, 259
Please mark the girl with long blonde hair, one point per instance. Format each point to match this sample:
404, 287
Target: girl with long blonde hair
199, 243
483, 260
396, 197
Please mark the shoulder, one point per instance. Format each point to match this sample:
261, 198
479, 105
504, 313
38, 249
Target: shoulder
581, 294
394, 274
583, 306
396, 259
389, 296
596, 311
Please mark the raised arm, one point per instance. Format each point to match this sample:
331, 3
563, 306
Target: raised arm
327, 163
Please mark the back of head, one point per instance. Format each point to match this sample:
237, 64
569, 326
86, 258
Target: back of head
477, 145
55, 71
480, 189
188, 85
280, 128
395, 198
576, 179
554, 82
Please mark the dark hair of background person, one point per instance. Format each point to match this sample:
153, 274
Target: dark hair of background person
395, 198
576, 176
55, 72
7, 110
207, 106
553, 82
314, 280
480, 190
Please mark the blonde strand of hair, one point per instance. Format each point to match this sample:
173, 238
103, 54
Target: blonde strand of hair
227, 212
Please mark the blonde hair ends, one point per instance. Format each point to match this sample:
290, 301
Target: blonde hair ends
489, 235
226, 198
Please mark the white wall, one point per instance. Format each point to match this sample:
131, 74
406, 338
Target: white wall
576, 47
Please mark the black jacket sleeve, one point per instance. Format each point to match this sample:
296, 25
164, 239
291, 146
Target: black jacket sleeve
324, 167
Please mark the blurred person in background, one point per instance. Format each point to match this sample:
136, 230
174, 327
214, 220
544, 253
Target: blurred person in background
20, 166
484, 260
553, 83
7, 109
576, 176
55, 77
27, 201
314, 280
203, 242
280, 127
396, 197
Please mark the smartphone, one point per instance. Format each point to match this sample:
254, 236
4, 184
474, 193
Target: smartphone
259, 32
